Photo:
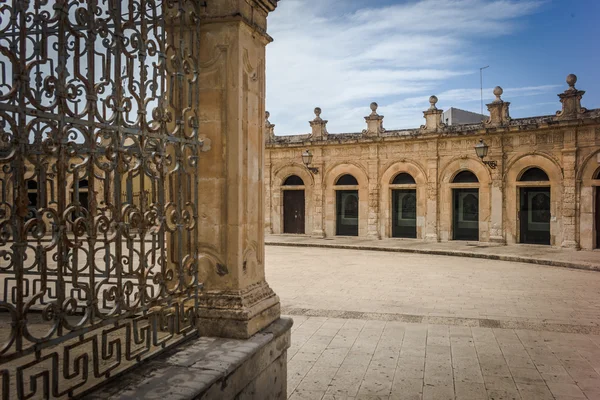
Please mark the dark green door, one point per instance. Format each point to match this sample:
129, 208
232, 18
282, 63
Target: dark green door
465, 214
347, 212
404, 213
535, 215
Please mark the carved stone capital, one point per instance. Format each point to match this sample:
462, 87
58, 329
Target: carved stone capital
237, 313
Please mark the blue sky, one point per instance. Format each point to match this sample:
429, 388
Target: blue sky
342, 54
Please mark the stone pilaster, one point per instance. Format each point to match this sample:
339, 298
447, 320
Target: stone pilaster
498, 110
571, 100
431, 223
268, 195
237, 301
433, 117
318, 126
374, 122
497, 194
318, 229
373, 174
569, 207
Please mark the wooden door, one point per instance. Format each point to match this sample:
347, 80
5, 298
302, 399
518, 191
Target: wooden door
535, 215
293, 211
465, 214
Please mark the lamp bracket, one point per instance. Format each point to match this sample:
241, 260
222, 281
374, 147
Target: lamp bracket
492, 164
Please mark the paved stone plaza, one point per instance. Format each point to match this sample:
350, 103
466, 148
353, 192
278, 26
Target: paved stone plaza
378, 325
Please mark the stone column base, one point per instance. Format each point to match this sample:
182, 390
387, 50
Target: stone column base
318, 233
570, 244
431, 237
237, 314
497, 239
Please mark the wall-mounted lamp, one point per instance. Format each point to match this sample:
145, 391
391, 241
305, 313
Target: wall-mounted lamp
481, 149
307, 160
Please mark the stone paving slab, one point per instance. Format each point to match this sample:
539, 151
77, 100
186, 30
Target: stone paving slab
366, 359
385, 325
535, 254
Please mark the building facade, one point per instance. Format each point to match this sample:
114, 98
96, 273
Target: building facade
539, 182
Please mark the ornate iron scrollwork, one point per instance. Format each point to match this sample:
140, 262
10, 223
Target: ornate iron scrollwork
97, 98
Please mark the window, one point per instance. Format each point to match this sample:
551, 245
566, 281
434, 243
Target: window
293, 180
346, 180
465, 177
534, 175
403, 179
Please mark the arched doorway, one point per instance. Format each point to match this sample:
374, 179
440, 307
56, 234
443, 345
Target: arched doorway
534, 207
465, 206
293, 205
404, 206
346, 206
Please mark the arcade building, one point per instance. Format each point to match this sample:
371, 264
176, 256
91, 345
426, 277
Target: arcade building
532, 180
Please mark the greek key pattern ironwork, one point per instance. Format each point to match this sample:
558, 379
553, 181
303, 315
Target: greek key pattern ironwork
99, 152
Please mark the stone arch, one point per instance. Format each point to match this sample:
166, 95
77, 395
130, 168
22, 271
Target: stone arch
385, 199
514, 171
279, 176
447, 174
330, 178
589, 191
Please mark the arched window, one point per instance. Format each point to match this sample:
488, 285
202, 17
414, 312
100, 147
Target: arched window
403, 179
465, 177
596, 174
534, 175
293, 180
346, 180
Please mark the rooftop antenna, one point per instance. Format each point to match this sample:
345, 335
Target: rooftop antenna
481, 84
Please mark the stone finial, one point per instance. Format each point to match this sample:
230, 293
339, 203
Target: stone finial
433, 101
498, 92
571, 100
319, 126
498, 109
374, 122
433, 117
269, 127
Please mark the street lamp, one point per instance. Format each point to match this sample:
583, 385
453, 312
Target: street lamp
481, 149
307, 160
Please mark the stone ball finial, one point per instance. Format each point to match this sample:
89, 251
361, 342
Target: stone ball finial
318, 111
498, 92
267, 114
571, 80
433, 100
374, 106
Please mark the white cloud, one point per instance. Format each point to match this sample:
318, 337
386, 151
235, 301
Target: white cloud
340, 60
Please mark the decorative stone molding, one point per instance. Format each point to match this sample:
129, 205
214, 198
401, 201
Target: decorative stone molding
237, 313
374, 122
433, 117
319, 126
498, 110
269, 127
571, 100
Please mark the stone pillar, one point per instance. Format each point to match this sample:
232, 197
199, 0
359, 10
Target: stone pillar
237, 301
319, 126
497, 197
498, 110
571, 100
268, 194
318, 229
431, 222
569, 228
374, 122
433, 117
373, 176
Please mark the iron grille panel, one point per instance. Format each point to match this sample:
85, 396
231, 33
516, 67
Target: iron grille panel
98, 101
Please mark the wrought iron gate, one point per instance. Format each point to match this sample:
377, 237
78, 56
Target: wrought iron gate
95, 96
